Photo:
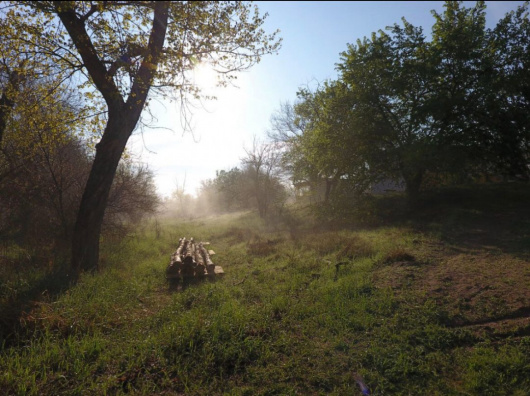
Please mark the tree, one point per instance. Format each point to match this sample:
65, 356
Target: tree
287, 130
331, 141
445, 106
44, 165
290, 127
132, 196
230, 189
126, 49
462, 67
507, 106
390, 82
314, 139
261, 170
23, 76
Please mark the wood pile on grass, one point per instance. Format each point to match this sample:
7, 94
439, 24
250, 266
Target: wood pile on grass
190, 261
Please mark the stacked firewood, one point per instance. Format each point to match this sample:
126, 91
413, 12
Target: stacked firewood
191, 259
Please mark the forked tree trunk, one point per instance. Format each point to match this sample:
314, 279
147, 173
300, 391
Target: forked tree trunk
122, 118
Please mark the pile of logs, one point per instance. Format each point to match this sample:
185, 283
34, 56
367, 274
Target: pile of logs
191, 260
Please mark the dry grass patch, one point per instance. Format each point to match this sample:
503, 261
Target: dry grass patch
349, 246
355, 247
480, 287
237, 234
398, 255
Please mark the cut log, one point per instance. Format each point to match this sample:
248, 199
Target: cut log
172, 271
175, 263
178, 252
210, 266
199, 259
188, 262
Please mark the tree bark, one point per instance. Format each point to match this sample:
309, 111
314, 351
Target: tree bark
85, 243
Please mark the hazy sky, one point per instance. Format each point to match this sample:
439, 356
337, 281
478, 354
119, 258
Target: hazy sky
314, 34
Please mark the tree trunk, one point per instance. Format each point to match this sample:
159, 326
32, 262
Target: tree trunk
412, 185
327, 193
6, 105
85, 244
331, 185
6, 100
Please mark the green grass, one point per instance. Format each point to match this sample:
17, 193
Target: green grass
285, 319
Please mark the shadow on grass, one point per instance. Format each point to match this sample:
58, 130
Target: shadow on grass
47, 286
490, 217
181, 284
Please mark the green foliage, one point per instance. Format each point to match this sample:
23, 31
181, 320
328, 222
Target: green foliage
407, 109
509, 98
230, 189
44, 165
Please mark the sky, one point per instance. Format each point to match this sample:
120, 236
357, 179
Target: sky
314, 34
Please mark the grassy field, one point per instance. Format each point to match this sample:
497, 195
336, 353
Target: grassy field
430, 301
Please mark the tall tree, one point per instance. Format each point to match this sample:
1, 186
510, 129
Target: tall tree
125, 50
42, 164
330, 142
462, 81
261, 176
507, 107
230, 189
405, 107
288, 132
390, 81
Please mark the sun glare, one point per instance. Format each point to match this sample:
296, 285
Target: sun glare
205, 78
220, 129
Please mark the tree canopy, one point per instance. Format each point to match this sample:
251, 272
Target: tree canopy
405, 108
